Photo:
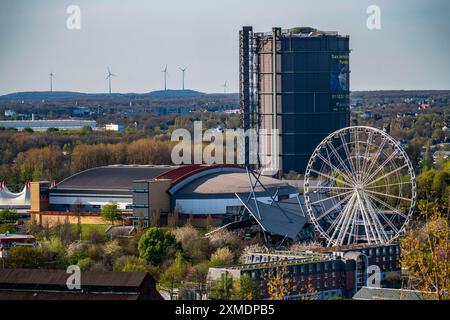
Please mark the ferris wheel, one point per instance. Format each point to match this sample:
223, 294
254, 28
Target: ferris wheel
359, 187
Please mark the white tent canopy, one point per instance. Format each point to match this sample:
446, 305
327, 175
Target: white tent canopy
9, 199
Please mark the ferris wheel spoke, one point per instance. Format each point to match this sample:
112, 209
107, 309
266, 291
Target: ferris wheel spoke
345, 225
341, 222
386, 175
388, 206
388, 195
377, 223
328, 198
342, 163
389, 222
366, 152
337, 221
330, 187
346, 178
390, 185
357, 160
353, 223
329, 210
366, 225
371, 220
375, 159
332, 178
381, 167
356, 224
347, 153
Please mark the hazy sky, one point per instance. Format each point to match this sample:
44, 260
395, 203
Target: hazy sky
137, 38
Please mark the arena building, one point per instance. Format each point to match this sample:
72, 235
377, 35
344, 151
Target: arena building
146, 192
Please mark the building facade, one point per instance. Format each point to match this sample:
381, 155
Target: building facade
294, 90
322, 272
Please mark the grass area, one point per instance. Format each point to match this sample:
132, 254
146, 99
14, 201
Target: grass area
87, 229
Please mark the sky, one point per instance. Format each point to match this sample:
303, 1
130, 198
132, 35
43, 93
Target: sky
138, 38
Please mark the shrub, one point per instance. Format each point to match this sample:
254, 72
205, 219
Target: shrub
112, 251
185, 234
224, 238
24, 257
131, 264
4, 228
75, 252
156, 245
221, 257
86, 264
95, 252
8, 215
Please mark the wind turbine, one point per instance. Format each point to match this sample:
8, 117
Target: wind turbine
165, 77
108, 77
225, 86
51, 75
182, 71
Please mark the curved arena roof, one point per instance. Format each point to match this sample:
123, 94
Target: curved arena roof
228, 183
115, 177
186, 181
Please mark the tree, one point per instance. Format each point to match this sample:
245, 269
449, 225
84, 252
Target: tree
197, 274
156, 245
245, 288
110, 212
222, 257
8, 215
86, 130
172, 278
427, 162
279, 284
426, 255
222, 288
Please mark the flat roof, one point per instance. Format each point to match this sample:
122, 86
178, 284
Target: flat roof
230, 182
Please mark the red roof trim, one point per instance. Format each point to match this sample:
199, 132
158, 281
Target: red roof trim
178, 174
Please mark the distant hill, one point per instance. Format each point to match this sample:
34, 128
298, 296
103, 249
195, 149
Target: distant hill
69, 95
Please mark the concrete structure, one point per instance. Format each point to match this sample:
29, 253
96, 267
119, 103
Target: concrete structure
42, 125
295, 81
